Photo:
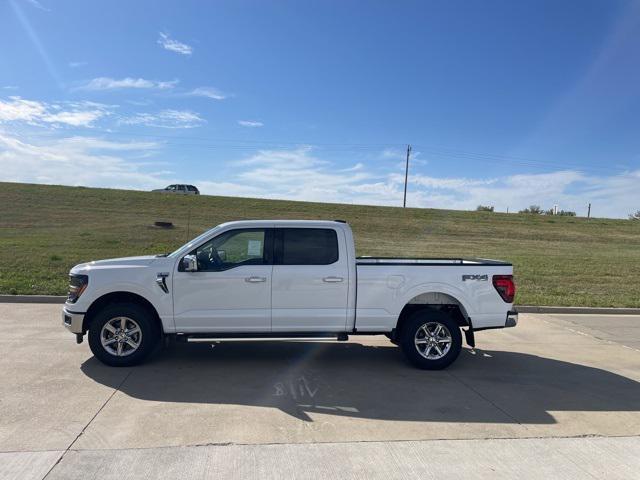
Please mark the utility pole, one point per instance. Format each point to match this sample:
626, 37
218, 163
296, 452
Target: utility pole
406, 177
589, 212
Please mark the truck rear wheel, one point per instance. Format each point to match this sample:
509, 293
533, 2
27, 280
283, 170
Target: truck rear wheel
123, 334
430, 339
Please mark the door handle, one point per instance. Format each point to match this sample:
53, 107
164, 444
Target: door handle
332, 279
255, 279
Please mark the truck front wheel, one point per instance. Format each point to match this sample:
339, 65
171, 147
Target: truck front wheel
430, 339
123, 334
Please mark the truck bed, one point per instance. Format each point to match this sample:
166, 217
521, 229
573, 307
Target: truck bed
385, 285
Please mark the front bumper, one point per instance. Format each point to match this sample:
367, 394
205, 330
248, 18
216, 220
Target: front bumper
73, 321
512, 319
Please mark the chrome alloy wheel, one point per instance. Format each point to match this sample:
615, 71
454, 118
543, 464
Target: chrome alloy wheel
433, 340
121, 336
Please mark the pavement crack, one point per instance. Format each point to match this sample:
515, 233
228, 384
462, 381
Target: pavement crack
356, 442
104, 404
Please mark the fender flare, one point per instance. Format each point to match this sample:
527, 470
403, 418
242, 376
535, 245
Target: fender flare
127, 288
437, 288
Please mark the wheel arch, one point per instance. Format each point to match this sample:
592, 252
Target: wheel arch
119, 297
435, 300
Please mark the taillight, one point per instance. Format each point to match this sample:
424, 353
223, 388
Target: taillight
505, 286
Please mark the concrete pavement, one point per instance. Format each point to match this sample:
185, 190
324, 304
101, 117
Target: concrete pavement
557, 458
331, 406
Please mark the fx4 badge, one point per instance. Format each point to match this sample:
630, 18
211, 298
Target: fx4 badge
482, 278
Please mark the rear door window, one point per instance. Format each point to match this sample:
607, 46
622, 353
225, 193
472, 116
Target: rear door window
306, 246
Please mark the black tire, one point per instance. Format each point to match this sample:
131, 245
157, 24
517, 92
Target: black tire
148, 340
410, 329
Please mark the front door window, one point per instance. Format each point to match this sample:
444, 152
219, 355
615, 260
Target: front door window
232, 249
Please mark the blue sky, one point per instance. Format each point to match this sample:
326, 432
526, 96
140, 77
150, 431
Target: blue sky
505, 103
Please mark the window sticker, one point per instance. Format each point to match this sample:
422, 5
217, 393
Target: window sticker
254, 248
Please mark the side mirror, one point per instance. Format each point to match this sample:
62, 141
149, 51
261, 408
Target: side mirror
222, 255
190, 263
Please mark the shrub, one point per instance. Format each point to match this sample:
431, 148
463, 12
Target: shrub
566, 213
532, 209
484, 208
561, 213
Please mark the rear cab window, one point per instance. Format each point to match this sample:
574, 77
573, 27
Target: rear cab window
306, 246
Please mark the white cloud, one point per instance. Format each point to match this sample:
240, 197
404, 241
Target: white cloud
75, 118
172, 45
107, 83
441, 183
250, 123
10, 87
211, 187
612, 196
208, 92
77, 64
400, 156
298, 175
393, 153
17, 109
292, 174
32, 112
85, 114
165, 119
79, 161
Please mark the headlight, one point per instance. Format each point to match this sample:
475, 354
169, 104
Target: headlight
77, 285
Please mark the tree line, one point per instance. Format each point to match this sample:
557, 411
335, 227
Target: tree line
537, 210
533, 209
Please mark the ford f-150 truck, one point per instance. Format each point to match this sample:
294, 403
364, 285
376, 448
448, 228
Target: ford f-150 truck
279, 279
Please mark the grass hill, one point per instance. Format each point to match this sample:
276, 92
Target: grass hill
44, 230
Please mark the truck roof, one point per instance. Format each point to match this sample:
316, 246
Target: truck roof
307, 223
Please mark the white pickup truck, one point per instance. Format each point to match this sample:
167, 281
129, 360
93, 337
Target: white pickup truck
285, 279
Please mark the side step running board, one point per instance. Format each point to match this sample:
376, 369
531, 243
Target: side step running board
213, 338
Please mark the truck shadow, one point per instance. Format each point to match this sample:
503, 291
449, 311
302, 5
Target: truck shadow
351, 379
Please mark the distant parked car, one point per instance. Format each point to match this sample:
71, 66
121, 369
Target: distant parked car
180, 189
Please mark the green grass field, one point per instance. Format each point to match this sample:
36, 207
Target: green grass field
45, 230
